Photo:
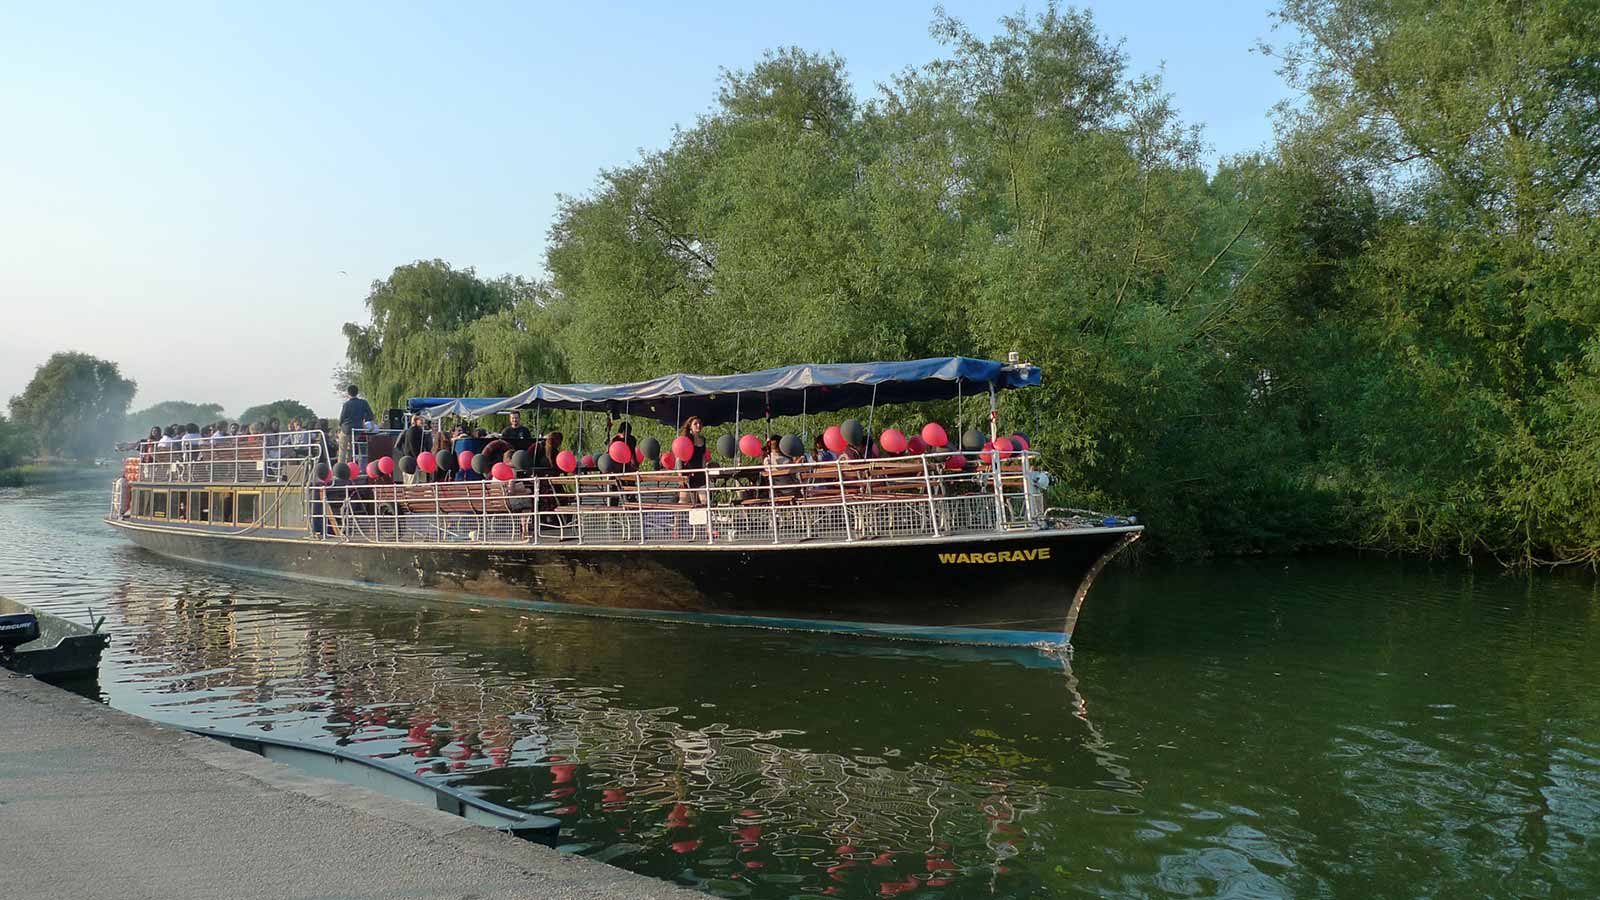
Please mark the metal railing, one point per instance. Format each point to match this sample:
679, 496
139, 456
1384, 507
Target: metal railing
284, 457
850, 500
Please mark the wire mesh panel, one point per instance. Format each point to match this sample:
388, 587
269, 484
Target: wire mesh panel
894, 499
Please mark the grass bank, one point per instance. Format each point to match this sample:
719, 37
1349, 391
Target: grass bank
53, 473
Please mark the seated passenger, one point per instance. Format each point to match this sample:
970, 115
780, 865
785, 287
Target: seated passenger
544, 455
777, 462
622, 432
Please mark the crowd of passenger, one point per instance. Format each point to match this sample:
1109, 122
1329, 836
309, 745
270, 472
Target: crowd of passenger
226, 441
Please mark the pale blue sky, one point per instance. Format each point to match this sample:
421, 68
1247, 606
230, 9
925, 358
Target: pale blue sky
182, 185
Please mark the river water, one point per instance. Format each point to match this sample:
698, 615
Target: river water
1269, 728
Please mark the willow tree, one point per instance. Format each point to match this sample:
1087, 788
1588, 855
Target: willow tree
438, 331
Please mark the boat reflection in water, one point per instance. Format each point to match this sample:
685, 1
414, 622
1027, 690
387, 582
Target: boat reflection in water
775, 765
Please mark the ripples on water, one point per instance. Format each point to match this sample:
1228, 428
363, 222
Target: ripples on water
1256, 730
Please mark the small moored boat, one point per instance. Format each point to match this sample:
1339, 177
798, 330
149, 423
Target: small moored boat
907, 538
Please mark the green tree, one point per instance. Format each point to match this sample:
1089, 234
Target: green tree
1471, 313
438, 331
167, 412
74, 406
14, 444
1020, 193
282, 410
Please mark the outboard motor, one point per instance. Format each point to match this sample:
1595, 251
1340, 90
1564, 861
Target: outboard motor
17, 629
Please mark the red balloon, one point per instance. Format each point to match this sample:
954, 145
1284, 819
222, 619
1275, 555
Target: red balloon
427, 462
750, 446
386, 465
916, 445
893, 440
372, 470
668, 460
620, 452
464, 460
639, 457
502, 472
566, 462
1021, 442
682, 447
353, 469
955, 462
833, 439
587, 462
934, 434
1005, 447
988, 445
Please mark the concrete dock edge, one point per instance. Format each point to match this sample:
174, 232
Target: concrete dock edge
95, 803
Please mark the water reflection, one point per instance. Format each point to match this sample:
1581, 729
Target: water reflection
1268, 730
484, 698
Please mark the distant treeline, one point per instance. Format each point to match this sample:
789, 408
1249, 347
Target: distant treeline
76, 407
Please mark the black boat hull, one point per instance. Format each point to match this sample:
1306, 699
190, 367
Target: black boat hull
1005, 589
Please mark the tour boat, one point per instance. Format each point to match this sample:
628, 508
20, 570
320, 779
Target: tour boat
937, 541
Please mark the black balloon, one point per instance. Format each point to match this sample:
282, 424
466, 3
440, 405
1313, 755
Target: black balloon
606, 464
727, 446
447, 460
650, 449
481, 463
322, 471
853, 433
408, 465
791, 446
972, 440
522, 461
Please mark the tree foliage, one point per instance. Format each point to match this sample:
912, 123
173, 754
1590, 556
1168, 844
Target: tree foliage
1471, 322
434, 330
14, 444
74, 406
1380, 333
282, 410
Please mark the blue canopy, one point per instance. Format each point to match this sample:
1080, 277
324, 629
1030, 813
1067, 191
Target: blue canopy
784, 391
435, 407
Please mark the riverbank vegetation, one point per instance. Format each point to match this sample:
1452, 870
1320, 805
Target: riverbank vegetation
1378, 333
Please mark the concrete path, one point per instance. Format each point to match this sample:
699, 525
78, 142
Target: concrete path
97, 803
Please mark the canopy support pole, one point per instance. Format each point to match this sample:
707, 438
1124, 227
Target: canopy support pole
958, 413
872, 410
994, 415
805, 429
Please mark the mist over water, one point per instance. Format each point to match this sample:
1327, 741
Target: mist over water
1259, 729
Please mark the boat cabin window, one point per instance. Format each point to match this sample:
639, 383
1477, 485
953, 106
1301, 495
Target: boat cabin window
142, 504
198, 506
222, 506
248, 507
179, 508
158, 504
